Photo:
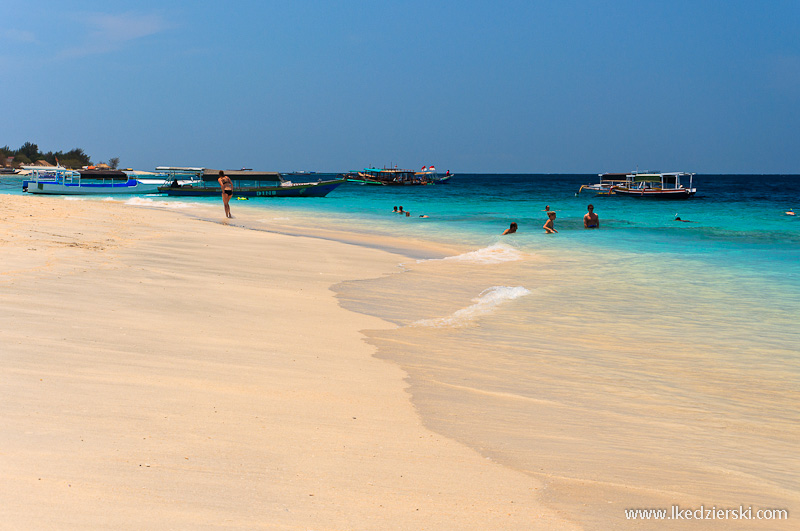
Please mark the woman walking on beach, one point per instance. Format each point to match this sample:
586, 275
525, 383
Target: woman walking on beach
227, 191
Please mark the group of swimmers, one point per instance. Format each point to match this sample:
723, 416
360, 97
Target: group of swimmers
399, 210
590, 221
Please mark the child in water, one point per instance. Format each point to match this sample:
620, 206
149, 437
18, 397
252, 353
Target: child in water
549, 226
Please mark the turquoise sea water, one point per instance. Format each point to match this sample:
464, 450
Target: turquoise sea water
731, 213
647, 363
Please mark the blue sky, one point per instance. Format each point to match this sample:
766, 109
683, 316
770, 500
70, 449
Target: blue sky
470, 86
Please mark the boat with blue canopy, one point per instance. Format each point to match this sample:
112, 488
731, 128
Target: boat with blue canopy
57, 180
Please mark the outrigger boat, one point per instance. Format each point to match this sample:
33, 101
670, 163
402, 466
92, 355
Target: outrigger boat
393, 177
648, 184
195, 182
57, 180
658, 186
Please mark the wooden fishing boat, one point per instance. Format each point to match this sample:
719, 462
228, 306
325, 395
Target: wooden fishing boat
391, 177
658, 186
246, 183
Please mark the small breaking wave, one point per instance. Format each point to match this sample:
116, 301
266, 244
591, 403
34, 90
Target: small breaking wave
494, 254
485, 304
144, 201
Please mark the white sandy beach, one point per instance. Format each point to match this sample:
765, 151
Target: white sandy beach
163, 372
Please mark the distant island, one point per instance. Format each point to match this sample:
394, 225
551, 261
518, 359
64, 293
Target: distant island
29, 153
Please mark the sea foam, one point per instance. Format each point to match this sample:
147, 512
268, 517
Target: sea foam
485, 304
494, 254
144, 201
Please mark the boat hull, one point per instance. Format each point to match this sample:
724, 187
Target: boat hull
320, 189
683, 193
132, 186
597, 189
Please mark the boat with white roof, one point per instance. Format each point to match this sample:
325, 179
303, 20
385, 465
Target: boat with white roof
57, 180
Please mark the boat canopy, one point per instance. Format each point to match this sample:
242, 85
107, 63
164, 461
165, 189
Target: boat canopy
647, 177
103, 174
244, 175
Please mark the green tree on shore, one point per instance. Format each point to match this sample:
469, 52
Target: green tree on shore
30, 150
29, 153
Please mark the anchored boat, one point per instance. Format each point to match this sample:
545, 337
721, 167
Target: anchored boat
57, 180
658, 186
671, 185
393, 177
195, 182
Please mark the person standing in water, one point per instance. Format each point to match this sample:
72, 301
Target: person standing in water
227, 191
590, 219
549, 225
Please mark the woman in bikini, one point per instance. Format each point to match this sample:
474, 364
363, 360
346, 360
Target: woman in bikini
227, 191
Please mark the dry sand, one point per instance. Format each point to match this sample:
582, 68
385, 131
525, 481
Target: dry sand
163, 372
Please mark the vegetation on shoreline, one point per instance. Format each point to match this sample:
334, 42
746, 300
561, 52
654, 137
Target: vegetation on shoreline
29, 153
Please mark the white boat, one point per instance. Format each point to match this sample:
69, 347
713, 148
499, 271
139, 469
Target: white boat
658, 186
654, 185
57, 180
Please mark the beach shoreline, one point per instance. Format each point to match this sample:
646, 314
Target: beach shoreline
167, 372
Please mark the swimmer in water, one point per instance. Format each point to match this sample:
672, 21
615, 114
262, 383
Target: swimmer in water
590, 219
549, 225
511, 230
